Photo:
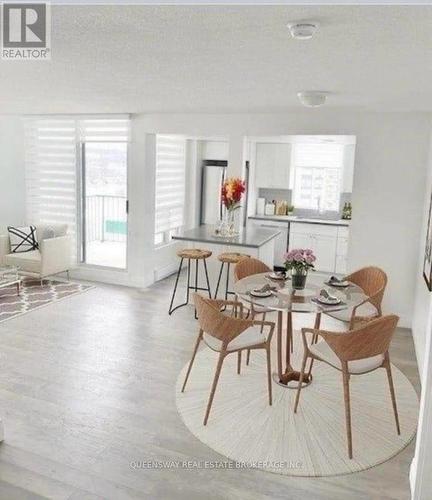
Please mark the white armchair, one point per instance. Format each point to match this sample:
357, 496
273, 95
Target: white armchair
52, 257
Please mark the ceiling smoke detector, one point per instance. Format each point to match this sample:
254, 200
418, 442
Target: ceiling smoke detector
312, 99
302, 31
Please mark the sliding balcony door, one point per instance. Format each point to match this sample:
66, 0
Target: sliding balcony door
104, 204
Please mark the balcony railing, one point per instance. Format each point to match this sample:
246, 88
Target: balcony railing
106, 218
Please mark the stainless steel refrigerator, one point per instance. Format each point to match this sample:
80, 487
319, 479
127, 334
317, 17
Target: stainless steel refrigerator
212, 178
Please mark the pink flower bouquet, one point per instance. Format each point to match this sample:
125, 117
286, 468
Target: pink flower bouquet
300, 260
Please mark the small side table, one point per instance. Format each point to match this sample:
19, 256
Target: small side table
4, 283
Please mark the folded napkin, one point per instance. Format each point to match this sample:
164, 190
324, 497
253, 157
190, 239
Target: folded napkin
324, 293
337, 305
265, 288
328, 296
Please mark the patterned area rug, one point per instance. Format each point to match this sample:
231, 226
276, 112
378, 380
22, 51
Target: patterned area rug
33, 296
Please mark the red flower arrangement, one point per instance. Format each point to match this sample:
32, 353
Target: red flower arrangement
232, 191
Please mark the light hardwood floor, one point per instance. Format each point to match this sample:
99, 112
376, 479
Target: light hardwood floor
87, 388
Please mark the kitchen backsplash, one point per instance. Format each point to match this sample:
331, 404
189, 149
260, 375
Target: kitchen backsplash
275, 194
286, 195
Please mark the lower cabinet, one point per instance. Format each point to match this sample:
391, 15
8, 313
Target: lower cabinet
321, 239
329, 243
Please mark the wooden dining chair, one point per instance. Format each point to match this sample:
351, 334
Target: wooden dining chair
229, 334
355, 352
373, 281
248, 267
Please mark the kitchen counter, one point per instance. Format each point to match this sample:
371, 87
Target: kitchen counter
301, 220
257, 242
252, 237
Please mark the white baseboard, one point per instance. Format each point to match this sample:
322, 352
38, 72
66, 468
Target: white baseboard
165, 271
110, 276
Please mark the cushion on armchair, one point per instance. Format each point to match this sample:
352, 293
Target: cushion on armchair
22, 239
48, 231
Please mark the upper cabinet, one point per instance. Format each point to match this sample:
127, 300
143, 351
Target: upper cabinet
272, 165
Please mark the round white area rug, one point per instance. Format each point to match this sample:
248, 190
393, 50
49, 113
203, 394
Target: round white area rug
244, 428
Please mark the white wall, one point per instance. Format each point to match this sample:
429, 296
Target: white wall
12, 179
348, 168
422, 319
421, 468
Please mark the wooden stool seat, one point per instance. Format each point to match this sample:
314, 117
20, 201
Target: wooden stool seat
194, 253
232, 257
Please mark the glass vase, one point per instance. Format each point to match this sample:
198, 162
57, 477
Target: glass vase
298, 278
228, 224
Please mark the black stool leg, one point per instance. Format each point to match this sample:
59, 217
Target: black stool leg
196, 283
219, 278
188, 282
227, 282
207, 278
188, 287
175, 287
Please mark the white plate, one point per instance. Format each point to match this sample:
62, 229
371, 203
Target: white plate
340, 284
261, 295
329, 302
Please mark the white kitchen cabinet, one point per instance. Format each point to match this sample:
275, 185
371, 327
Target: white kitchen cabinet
324, 248
319, 238
272, 165
329, 243
342, 250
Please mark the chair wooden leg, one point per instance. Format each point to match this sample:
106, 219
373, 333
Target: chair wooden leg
314, 339
238, 362
197, 343
214, 385
269, 379
347, 407
252, 314
299, 388
316, 326
392, 393
263, 318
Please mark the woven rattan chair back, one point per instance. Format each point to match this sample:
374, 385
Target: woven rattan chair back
248, 267
373, 281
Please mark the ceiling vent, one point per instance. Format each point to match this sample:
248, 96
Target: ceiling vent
303, 31
312, 99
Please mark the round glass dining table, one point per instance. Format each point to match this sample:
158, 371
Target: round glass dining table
284, 299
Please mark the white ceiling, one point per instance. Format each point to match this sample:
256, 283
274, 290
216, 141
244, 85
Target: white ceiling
224, 59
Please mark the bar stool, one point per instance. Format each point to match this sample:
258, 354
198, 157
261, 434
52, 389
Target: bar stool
228, 258
190, 254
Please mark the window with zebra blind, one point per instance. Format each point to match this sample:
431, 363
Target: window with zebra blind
170, 186
51, 171
53, 165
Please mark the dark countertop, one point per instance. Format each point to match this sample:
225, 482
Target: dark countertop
254, 237
301, 220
